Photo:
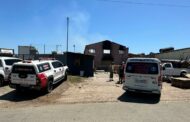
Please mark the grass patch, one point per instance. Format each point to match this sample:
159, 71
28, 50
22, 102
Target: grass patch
75, 79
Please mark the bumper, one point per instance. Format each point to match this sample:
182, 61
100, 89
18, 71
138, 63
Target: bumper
154, 91
35, 87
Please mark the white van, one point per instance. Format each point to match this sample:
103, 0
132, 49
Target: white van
143, 75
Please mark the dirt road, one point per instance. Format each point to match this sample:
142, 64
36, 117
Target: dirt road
90, 90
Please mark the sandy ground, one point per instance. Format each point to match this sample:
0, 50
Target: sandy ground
90, 90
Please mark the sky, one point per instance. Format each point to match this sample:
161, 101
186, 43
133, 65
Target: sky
143, 26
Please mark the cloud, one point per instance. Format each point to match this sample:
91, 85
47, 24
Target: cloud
79, 26
79, 30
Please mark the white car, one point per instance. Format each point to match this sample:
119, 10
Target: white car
38, 74
5, 68
143, 75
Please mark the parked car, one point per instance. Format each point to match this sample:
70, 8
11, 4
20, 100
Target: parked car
143, 75
5, 68
169, 70
38, 74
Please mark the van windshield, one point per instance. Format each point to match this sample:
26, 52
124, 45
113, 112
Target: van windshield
142, 68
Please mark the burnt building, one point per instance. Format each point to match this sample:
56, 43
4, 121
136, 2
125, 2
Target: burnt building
106, 52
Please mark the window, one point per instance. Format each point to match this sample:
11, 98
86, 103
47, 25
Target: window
167, 65
44, 67
121, 52
106, 51
57, 64
142, 68
11, 61
92, 51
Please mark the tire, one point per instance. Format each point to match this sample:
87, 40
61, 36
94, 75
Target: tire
182, 74
65, 77
1, 81
49, 87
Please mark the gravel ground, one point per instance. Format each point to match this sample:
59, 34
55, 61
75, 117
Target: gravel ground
90, 90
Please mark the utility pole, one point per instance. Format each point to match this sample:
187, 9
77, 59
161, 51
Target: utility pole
74, 47
44, 48
67, 33
67, 41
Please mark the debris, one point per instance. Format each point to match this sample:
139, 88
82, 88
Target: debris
181, 82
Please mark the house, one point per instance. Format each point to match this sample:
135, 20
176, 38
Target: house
106, 52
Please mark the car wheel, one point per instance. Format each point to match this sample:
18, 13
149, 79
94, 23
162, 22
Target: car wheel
65, 77
1, 81
49, 87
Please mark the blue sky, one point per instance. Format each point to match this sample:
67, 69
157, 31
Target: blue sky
144, 28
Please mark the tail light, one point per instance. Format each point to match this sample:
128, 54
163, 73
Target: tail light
42, 79
160, 80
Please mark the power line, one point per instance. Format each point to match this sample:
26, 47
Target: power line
145, 3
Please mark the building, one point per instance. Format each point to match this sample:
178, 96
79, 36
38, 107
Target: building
27, 52
180, 54
6, 52
106, 52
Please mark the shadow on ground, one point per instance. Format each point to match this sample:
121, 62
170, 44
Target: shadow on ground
25, 94
139, 98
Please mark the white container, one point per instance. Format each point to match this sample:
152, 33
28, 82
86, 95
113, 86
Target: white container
81, 73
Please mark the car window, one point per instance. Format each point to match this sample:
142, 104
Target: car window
168, 65
57, 64
142, 68
11, 61
44, 67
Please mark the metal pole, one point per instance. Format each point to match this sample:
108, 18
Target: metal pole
74, 47
44, 48
67, 33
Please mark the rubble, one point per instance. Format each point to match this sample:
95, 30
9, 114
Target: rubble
181, 82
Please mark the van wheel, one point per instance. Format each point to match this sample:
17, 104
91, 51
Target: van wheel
1, 81
49, 87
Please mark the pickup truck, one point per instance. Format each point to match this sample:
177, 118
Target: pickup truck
169, 70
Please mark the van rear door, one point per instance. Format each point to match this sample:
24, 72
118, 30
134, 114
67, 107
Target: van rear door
141, 75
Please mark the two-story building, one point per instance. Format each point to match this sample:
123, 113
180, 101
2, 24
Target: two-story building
105, 53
